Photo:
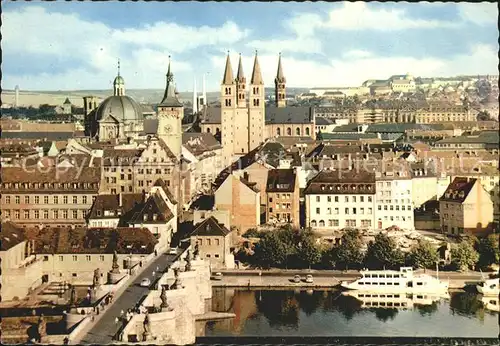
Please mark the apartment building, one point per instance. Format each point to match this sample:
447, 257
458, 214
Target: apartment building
72, 254
50, 196
214, 243
394, 199
337, 199
283, 197
489, 178
19, 265
465, 207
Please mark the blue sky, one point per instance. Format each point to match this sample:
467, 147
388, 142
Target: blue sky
75, 45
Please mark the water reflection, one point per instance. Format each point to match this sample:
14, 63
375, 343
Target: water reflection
333, 313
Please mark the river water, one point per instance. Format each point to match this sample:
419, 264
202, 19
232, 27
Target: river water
331, 313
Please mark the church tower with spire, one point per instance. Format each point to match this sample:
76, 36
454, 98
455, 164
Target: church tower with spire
241, 82
256, 107
170, 114
280, 86
228, 111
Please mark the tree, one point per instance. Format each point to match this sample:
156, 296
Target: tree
463, 255
423, 255
348, 253
383, 252
488, 249
270, 250
308, 252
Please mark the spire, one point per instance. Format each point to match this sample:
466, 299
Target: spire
280, 77
240, 77
119, 83
228, 73
170, 98
118, 67
256, 74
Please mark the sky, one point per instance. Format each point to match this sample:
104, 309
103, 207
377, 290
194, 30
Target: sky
76, 45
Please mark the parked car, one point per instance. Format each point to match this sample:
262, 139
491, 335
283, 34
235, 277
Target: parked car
172, 251
297, 279
309, 279
217, 276
145, 282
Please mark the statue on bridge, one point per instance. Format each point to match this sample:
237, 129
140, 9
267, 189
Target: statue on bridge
115, 268
72, 297
96, 282
188, 262
177, 283
146, 335
196, 252
164, 304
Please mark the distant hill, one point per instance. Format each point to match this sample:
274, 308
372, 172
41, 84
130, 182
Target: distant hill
36, 98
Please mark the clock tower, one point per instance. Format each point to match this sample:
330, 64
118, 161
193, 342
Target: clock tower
170, 114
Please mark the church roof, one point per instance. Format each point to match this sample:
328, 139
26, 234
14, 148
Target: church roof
170, 98
121, 108
228, 72
67, 101
11, 235
256, 74
289, 115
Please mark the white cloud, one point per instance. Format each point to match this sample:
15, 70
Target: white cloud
297, 45
34, 31
359, 15
479, 13
362, 65
357, 53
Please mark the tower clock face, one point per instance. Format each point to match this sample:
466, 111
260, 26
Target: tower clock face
167, 128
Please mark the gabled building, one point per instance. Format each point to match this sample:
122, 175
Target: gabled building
465, 207
108, 210
338, 199
214, 243
242, 199
283, 198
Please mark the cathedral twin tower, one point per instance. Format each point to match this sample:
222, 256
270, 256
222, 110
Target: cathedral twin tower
242, 119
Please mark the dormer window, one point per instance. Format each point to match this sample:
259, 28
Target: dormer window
145, 217
155, 217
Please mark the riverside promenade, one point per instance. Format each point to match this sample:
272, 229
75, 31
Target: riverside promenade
322, 278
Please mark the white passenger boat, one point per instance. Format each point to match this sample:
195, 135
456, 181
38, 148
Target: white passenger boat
402, 281
491, 303
394, 300
489, 287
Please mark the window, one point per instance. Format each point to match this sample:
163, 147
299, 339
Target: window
65, 199
329, 211
354, 199
37, 214
101, 258
7, 199
335, 223
370, 211
313, 223
270, 199
336, 211
26, 199
45, 258
84, 199
18, 200
336, 198
322, 223
354, 211
329, 198
56, 214
75, 258
362, 199
317, 198
75, 200
75, 214
346, 199
346, 211
317, 211
209, 242
46, 199
65, 214
88, 258
26, 214
61, 258
216, 255
369, 199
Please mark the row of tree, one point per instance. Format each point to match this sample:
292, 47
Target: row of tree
298, 249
